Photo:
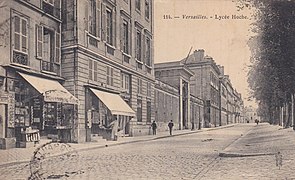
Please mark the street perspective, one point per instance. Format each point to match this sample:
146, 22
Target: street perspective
147, 89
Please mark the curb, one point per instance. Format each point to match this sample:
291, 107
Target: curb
229, 155
122, 143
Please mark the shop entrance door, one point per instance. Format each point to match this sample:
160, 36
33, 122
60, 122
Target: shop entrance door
3, 118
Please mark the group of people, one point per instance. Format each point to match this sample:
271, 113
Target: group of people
114, 126
154, 127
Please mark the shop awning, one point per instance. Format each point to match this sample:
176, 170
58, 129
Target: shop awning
114, 103
51, 90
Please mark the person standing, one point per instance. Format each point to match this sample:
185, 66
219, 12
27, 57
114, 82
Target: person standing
170, 125
114, 126
154, 127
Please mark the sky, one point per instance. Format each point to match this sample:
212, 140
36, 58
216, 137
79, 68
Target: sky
225, 40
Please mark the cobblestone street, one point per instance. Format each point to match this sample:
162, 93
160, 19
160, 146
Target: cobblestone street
193, 156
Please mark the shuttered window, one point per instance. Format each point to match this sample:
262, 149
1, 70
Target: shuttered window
110, 76
20, 34
39, 40
148, 51
138, 45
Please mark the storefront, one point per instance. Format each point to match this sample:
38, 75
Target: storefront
45, 105
102, 108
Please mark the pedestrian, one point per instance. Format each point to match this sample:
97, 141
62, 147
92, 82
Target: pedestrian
114, 126
170, 125
256, 121
154, 127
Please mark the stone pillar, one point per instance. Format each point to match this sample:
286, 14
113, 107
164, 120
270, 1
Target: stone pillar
180, 105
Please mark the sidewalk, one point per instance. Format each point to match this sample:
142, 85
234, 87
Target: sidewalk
262, 140
24, 155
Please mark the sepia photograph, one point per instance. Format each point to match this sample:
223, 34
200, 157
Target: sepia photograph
147, 89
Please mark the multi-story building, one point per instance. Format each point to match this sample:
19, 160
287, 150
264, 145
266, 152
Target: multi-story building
107, 59
177, 75
173, 98
205, 84
32, 95
223, 97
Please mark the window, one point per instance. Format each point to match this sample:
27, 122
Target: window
139, 110
148, 51
20, 40
138, 45
137, 5
147, 9
110, 77
48, 48
125, 37
109, 27
52, 7
139, 86
92, 70
125, 82
149, 89
149, 111
92, 17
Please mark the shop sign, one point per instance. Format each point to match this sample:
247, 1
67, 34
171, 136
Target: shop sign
4, 98
11, 108
59, 96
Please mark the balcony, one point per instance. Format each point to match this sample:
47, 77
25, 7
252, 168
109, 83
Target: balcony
20, 58
50, 67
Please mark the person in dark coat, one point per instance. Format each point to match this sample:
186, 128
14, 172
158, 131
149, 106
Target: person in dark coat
154, 127
170, 125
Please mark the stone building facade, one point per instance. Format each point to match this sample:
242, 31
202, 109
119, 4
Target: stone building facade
32, 95
205, 84
173, 92
107, 46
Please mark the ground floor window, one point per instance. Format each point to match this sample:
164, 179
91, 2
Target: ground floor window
149, 111
139, 110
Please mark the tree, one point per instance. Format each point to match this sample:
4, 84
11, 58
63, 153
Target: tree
272, 74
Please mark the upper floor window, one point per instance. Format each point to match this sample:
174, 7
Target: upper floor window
138, 45
147, 9
92, 17
148, 51
137, 4
110, 76
93, 72
149, 89
20, 39
125, 82
52, 7
48, 48
109, 26
139, 86
125, 37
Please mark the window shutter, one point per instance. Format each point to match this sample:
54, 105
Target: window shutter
86, 15
57, 47
12, 32
24, 32
95, 71
143, 51
129, 38
112, 76
39, 40
90, 70
122, 35
103, 23
17, 33
98, 19
114, 26
57, 8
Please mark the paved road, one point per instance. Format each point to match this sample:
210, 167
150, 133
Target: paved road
193, 156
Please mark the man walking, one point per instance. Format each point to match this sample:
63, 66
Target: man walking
154, 127
170, 125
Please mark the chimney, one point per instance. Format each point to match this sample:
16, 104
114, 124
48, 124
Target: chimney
199, 54
221, 68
